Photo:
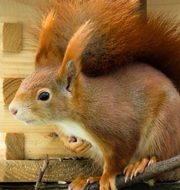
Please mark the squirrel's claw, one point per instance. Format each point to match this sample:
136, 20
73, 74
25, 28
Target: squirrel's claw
138, 167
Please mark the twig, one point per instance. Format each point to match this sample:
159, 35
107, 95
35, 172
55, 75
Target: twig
41, 173
149, 173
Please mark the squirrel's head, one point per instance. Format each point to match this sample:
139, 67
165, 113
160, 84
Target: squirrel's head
46, 95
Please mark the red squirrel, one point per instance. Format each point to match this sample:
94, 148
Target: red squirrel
126, 117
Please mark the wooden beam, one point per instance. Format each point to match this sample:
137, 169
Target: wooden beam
15, 144
10, 86
48, 144
28, 170
12, 37
16, 65
11, 146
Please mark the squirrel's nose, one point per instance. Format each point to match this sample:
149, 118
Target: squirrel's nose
13, 111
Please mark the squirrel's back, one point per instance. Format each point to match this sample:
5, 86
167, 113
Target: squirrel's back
121, 35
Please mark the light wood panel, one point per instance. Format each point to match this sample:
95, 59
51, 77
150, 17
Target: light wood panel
12, 37
16, 65
10, 86
28, 170
38, 145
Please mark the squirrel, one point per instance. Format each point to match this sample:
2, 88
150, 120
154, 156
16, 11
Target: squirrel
126, 117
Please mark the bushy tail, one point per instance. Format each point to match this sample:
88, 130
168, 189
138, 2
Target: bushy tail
120, 36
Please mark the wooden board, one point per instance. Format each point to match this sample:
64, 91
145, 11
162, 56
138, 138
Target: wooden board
28, 170
38, 145
10, 86
12, 37
15, 144
16, 65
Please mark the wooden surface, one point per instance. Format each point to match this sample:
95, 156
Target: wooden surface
10, 86
15, 145
28, 170
12, 37
38, 145
26, 12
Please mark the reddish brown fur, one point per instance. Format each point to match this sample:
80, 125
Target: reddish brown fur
132, 112
120, 36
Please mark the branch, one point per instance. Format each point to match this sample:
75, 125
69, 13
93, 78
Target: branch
149, 173
41, 173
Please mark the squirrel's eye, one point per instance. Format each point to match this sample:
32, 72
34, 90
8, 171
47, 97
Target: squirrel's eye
44, 96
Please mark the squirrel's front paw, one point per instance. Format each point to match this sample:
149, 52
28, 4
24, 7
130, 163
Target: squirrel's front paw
78, 145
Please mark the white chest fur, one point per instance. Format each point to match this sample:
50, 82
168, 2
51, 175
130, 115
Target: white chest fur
70, 127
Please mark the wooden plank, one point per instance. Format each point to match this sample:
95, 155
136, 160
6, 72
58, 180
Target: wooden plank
38, 145
12, 37
28, 170
11, 146
10, 86
2, 146
16, 65
1, 92
15, 144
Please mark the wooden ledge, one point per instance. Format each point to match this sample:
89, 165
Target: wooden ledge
28, 170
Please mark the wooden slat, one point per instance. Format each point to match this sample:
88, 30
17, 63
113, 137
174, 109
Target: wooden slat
1, 92
12, 37
10, 86
28, 170
11, 146
38, 145
2, 146
16, 65
15, 144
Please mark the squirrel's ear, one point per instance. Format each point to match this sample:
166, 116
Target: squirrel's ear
48, 52
68, 76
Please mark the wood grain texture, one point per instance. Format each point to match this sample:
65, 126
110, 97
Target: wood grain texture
2, 146
28, 170
16, 65
38, 145
15, 144
10, 86
12, 37
11, 146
